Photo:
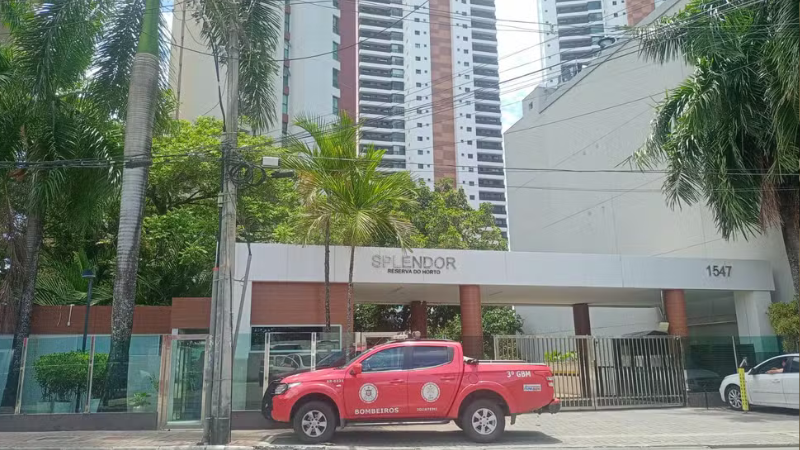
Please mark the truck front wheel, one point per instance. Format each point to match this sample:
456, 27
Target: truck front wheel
483, 421
314, 422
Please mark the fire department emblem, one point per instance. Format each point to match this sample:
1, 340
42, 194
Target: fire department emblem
368, 393
430, 392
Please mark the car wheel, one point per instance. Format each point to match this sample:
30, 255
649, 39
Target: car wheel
314, 422
733, 396
483, 421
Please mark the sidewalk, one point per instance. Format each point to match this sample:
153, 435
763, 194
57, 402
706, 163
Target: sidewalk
687, 428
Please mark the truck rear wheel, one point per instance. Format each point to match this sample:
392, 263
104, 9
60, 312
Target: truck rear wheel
483, 421
314, 422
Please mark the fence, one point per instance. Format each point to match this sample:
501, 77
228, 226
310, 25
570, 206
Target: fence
605, 372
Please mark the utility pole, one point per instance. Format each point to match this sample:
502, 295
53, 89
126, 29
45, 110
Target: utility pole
219, 354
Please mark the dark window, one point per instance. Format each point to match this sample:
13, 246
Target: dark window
794, 365
422, 357
335, 24
389, 359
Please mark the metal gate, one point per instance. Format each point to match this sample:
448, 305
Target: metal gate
605, 372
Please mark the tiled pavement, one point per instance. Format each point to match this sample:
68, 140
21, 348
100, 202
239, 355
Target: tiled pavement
590, 429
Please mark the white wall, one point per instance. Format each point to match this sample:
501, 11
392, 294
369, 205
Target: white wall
611, 212
557, 320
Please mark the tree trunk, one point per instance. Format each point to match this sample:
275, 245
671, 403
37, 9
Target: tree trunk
350, 297
328, 276
33, 245
142, 102
789, 226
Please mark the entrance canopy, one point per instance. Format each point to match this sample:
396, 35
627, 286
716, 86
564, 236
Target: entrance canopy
395, 276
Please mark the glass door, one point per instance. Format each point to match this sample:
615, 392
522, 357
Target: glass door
182, 393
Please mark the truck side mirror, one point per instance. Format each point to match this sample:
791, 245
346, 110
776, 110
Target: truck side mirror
356, 369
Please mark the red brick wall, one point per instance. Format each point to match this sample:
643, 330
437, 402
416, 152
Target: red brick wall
471, 320
54, 320
297, 304
638, 10
444, 136
675, 308
188, 312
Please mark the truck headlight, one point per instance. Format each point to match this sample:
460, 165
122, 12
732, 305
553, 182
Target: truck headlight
283, 387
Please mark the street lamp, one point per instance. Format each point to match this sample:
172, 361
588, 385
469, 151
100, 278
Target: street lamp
89, 275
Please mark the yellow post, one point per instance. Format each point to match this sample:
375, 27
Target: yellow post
743, 390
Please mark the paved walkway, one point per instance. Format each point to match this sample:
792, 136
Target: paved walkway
687, 428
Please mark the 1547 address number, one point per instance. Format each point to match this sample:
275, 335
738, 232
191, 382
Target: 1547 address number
719, 271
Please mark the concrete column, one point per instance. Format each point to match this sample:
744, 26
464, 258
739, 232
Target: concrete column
471, 320
753, 323
580, 317
419, 318
675, 309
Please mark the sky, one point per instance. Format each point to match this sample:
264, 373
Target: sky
518, 53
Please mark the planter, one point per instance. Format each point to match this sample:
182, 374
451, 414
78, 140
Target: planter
139, 409
63, 407
94, 405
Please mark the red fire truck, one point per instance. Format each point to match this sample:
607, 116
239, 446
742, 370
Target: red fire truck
417, 381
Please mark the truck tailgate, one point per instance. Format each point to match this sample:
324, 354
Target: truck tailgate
529, 385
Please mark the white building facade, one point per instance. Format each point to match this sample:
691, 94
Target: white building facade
581, 134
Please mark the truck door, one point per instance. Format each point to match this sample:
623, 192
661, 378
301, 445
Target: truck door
433, 378
380, 390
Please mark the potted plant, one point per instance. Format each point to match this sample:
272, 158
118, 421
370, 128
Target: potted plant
139, 401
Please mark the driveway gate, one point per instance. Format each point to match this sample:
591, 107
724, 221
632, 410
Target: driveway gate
605, 372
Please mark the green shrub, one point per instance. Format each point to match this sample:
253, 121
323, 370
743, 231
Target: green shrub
64, 376
556, 356
785, 321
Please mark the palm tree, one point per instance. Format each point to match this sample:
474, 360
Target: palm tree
128, 77
728, 134
364, 201
331, 153
44, 120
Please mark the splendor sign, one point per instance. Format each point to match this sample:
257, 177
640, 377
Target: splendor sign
414, 264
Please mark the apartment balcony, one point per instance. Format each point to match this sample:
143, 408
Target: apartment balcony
482, 13
490, 158
489, 145
377, 11
491, 196
492, 183
376, 97
382, 111
501, 222
373, 85
485, 60
369, 48
484, 25
380, 137
484, 72
376, 60
487, 120
484, 48
486, 83
380, 2
392, 164
380, 34
487, 96
499, 210
385, 124
491, 171
392, 151
379, 24
487, 108
477, 36
581, 19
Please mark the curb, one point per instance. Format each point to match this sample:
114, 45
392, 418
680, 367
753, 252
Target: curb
161, 447
528, 447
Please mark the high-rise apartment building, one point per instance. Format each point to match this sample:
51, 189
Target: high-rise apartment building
575, 28
422, 75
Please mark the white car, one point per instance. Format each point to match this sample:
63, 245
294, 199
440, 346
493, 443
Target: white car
774, 382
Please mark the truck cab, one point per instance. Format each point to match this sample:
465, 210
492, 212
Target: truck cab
411, 381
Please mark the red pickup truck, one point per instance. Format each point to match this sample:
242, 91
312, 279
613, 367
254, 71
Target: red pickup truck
415, 381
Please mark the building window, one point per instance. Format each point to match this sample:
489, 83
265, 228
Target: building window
419, 138
416, 32
285, 128
466, 89
335, 108
336, 78
286, 22
419, 124
419, 97
419, 84
335, 25
420, 166
471, 197
469, 128
469, 116
469, 155
472, 183
419, 72
465, 39
285, 49
285, 104
335, 52
418, 58
416, 45
419, 152
466, 52
336, 3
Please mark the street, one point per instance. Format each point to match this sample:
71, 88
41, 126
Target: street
663, 428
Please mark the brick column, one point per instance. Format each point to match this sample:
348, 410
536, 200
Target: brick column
419, 318
471, 320
580, 317
675, 309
